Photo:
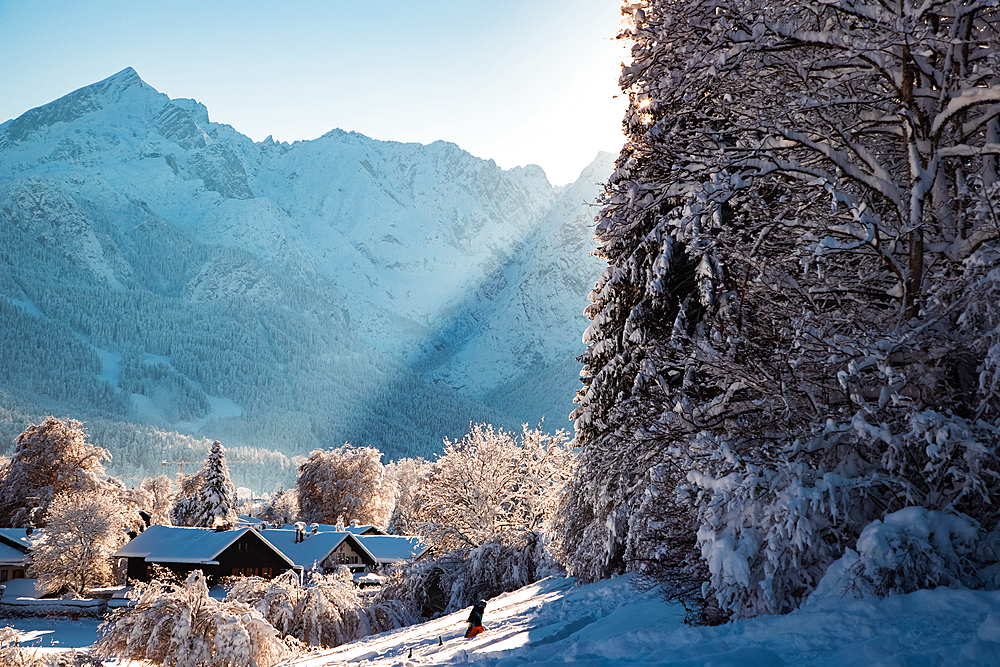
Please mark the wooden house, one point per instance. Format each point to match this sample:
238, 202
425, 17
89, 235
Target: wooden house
14, 556
217, 553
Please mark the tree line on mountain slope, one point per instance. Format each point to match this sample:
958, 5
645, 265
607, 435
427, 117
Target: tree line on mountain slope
282, 369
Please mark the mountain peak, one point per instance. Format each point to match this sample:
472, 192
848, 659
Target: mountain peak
123, 79
76, 104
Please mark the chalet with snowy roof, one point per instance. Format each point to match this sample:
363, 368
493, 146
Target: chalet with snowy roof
321, 550
217, 553
391, 549
14, 556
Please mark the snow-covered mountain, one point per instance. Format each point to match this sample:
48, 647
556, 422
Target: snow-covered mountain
282, 295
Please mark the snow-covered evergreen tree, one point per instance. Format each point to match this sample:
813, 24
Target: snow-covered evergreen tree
797, 331
208, 497
49, 458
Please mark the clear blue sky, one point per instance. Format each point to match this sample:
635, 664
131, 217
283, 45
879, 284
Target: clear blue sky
519, 81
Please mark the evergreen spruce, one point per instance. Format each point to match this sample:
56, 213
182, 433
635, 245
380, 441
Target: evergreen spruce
208, 498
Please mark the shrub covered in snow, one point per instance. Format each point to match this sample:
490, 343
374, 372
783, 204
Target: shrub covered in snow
181, 625
13, 655
458, 578
326, 611
911, 549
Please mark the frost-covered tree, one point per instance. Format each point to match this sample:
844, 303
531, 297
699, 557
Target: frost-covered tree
209, 496
282, 508
74, 550
404, 476
485, 505
344, 483
798, 331
182, 625
49, 458
159, 498
490, 482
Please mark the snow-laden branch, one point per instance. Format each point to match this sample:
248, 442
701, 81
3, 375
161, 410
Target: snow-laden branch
966, 98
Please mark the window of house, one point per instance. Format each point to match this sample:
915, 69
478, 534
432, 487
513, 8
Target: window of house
3, 575
18, 574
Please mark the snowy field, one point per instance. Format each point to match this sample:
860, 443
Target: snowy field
608, 623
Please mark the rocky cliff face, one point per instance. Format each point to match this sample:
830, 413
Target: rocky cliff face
436, 266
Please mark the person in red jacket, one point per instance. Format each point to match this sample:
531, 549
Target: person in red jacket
476, 619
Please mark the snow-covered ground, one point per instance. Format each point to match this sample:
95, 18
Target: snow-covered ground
610, 624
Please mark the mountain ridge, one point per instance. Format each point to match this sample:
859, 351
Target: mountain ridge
346, 279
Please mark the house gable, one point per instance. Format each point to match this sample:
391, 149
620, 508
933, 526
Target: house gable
325, 550
216, 553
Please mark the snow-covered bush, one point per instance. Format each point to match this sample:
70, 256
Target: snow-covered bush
458, 578
506, 563
13, 655
421, 588
910, 549
327, 611
181, 625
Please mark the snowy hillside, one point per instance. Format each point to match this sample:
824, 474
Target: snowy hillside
281, 295
554, 622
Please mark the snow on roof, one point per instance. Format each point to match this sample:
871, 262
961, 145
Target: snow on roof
245, 520
314, 549
15, 535
11, 556
19, 588
175, 544
393, 548
327, 528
